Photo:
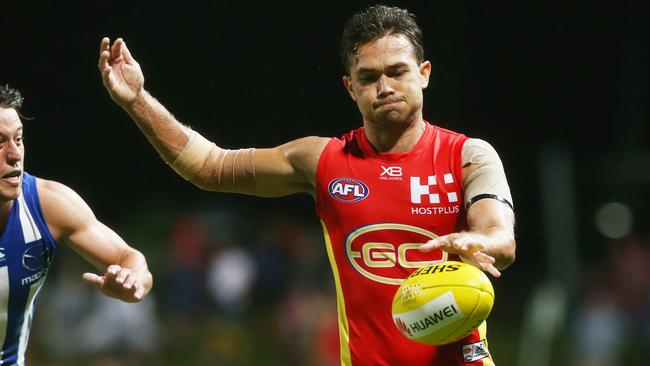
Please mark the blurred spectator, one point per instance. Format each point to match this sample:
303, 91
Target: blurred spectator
308, 328
189, 243
613, 322
230, 276
83, 327
127, 333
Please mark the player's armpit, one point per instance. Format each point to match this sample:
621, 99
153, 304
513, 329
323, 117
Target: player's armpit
483, 174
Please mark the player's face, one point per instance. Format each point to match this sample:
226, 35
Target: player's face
386, 81
12, 152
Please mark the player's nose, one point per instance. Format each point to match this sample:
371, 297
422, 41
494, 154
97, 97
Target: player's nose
14, 153
383, 86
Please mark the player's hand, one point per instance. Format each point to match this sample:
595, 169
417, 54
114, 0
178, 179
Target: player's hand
468, 247
119, 283
121, 74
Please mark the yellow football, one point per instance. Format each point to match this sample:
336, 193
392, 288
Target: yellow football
442, 303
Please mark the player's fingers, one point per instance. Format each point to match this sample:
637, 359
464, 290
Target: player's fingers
106, 76
453, 243
127, 54
103, 51
93, 279
470, 246
440, 242
116, 48
482, 257
484, 262
491, 269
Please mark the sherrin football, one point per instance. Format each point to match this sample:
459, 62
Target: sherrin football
442, 303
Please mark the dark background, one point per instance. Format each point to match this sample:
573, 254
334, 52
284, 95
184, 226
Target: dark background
525, 76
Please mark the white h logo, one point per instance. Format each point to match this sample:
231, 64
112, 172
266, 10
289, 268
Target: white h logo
418, 190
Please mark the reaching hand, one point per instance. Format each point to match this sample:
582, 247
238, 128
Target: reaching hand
121, 74
468, 247
119, 283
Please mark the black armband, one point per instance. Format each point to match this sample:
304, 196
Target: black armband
479, 197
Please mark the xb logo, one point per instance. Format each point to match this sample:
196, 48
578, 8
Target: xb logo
36, 257
391, 171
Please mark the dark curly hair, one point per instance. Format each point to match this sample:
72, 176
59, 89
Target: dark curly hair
376, 22
10, 98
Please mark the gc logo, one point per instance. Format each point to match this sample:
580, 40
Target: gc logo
386, 252
36, 257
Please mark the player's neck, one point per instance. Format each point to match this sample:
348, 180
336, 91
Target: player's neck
396, 139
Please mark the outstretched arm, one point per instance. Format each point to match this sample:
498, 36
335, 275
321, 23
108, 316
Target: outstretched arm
126, 275
277, 171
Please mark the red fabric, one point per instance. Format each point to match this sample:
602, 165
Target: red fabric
370, 200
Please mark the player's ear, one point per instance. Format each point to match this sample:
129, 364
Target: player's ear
347, 82
425, 72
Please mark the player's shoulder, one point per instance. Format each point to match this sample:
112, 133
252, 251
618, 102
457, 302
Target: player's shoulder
443, 130
474, 143
312, 141
306, 147
55, 196
52, 189
61, 206
478, 147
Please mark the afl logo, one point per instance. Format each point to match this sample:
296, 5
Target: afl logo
348, 189
388, 252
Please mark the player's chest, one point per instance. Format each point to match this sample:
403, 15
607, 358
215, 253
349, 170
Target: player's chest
411, 191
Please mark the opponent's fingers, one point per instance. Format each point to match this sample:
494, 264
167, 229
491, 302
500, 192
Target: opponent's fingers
129, 281
123, 275
93, 279
112, 271
139, 292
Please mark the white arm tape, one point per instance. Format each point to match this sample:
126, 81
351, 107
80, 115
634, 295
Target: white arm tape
487, 178
213, 168
193, 156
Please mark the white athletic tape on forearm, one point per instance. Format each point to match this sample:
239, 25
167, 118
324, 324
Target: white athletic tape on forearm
213, 168
193, 156
228, 171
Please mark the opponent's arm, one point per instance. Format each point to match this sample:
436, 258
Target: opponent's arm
489, 242
282, 170
126, 275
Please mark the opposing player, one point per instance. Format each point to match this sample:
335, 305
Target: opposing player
396, 194
35, 215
